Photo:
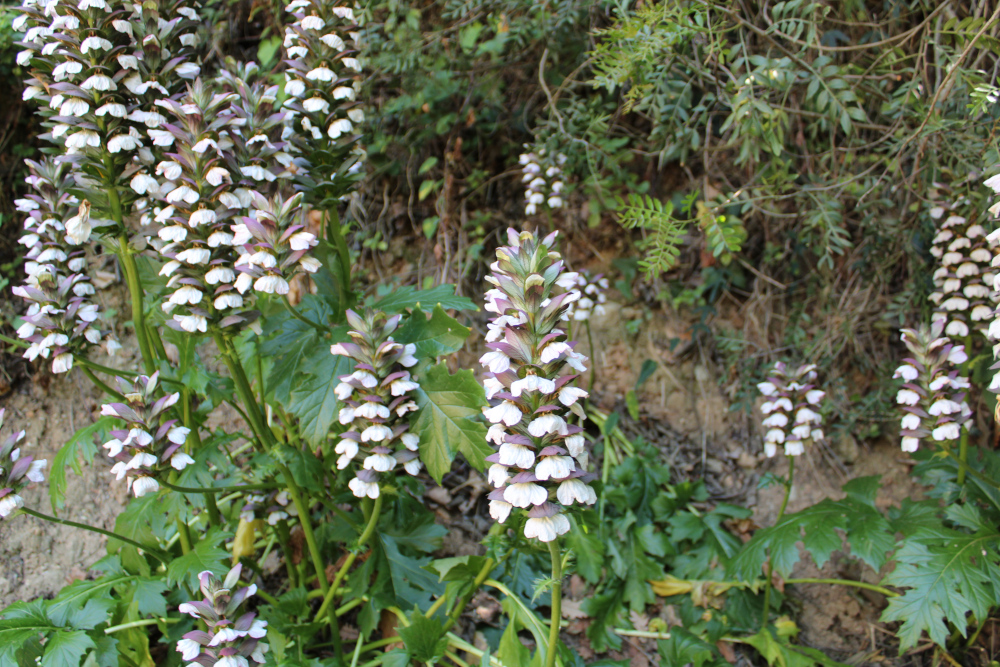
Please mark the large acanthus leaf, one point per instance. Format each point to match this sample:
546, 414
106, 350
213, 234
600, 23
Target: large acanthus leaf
414, 585
312, 399
290, 342
409, 297
440, 334
424, 638
947, 574
448, 406
816, 527
81, 444
779, 652
142, 520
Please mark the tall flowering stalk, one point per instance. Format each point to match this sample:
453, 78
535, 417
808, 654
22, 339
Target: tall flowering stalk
531, 369
932, 397
542, 176
323, 112
590, 302
232, 639
15, 472
60, 322
377, 398
148, 446
961, 296
793, 420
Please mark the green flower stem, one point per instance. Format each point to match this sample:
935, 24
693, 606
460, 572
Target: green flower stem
219, 489
962, 465
267, 440
845, 582
553, 648
13, 341
464, 601
131, 269
335, 235
184, 536
104, 369
644, 634
302, 318
351, 557
285, 539
379, 643
770, 568
100, 384
155, 553
140, 624
963, 455
459, 643
346, 607
593, 356
455, 659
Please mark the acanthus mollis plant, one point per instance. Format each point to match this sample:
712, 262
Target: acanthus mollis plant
149, 445
377, 399
233, 638
791, 410
933, 392
15, 472
542, 176
541, 456
60, 320
324, 113
961, 295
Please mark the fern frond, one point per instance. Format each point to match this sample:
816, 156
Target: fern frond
662, 245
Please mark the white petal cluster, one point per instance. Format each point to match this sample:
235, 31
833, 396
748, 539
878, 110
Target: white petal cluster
234, 636
16, 471
376, 398
145, 448
323, 113
963, 278
538, 451
60, 321
591, 298
543, 178
791, 409
932, 396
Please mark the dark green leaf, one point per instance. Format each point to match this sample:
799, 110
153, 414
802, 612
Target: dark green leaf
205, 556
605, 611
413, 585
424, 638
433, 337
684, 648
406, 297
448, 405
313, 400
66, 648
149, 596
81, 444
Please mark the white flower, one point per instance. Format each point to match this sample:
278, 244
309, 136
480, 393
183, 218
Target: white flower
380, 462
178, 434
495, 433
546, 528
957, 355
525, 494
94, 43
575, 490
189, 649
78, 229
944, 406
35, 473
62, 363
794, 448
195, 256
411, 441
767, 388
376, 433
143, 485
10, 503
993, 182
533, 382
343, 92
371, 410
321, 73
83, 139
546, 424
775, 435
806, 416
500, 510
513, 454
366, 379
910, 444
271, 284
203, 216
910, 421
360, 489
351, 63
180, 460
402, 385
192, 323
187, 70
949, 431
506, 412
496, 361
497, 475
216, 175
554, 467
778, 419
339, 127
347, 449
907, 372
